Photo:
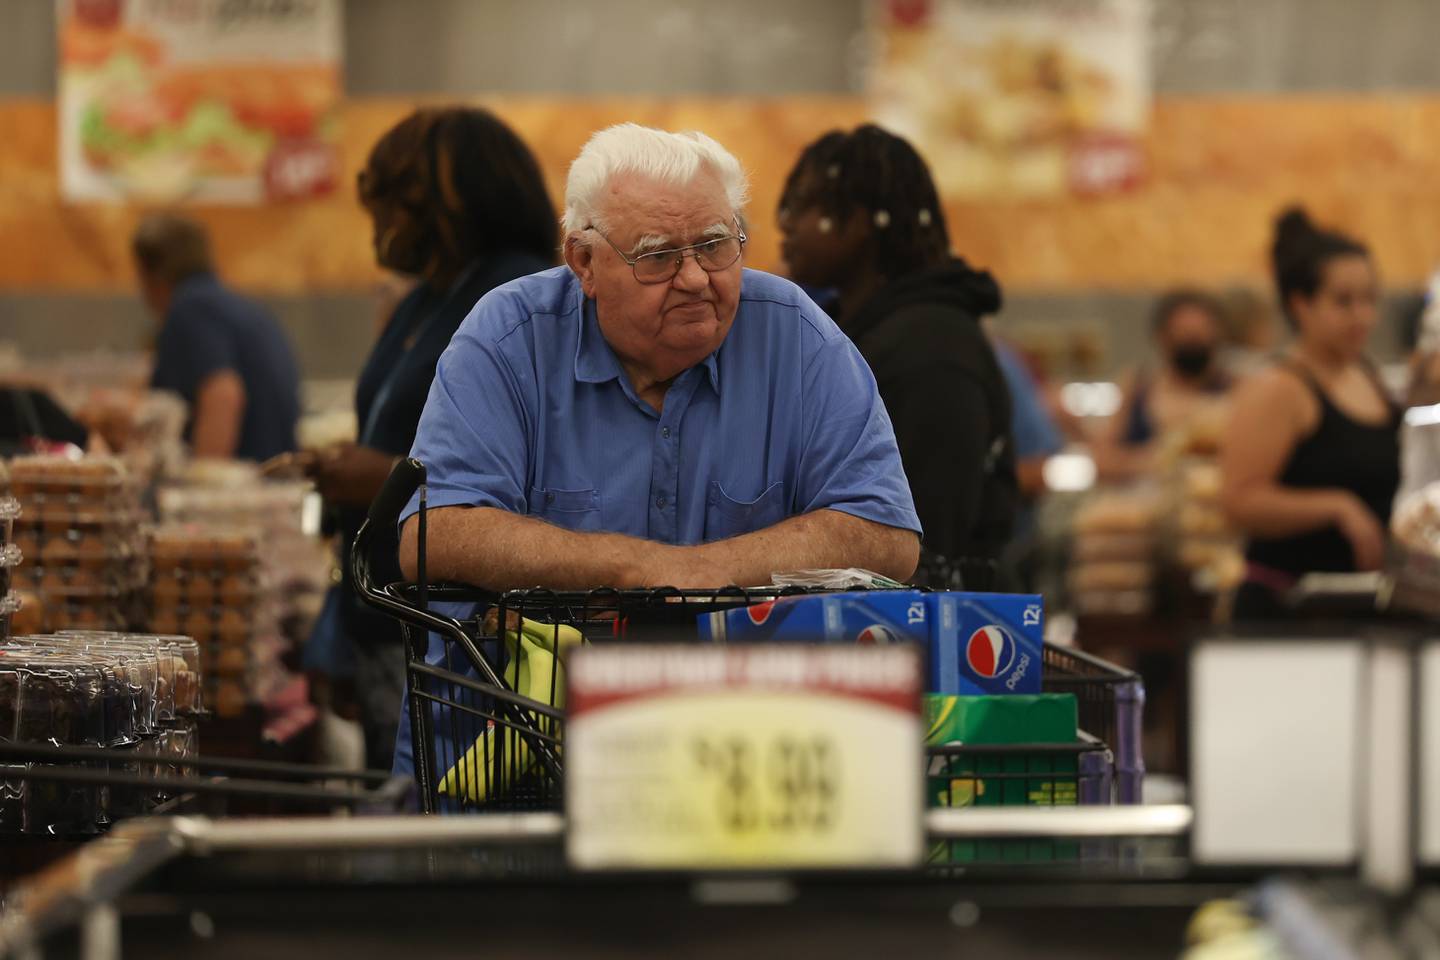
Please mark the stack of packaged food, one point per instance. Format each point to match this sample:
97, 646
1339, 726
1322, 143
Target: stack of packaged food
208, 584
1113, 554
79, 531
1205, 545
138, 696
11, 555
279, 513
289, 579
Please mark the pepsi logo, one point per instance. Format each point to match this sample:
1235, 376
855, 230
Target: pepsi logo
990, 651
760, 612
876, 634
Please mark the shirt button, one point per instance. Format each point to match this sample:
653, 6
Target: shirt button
660, 503
665, 432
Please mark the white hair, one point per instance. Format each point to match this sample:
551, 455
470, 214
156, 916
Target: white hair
670, 158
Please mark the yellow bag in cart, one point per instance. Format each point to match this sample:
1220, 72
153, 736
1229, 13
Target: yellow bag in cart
537, 655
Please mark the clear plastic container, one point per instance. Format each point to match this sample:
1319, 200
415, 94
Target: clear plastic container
10, 558
58, 696
89, 541
178, 551
207, 625
48, 481
188, 672
127, 705
10, 604
9, 513
193, 588
150, 668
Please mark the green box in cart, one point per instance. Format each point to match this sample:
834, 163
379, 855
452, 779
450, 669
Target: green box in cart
1023, 778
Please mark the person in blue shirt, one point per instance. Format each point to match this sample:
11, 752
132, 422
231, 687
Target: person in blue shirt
225, 354
1037, 438
653, 413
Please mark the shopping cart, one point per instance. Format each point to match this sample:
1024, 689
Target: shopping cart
485, 672
1110, 702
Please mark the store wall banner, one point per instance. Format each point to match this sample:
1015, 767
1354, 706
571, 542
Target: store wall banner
1015, 99
764, 756
205, 101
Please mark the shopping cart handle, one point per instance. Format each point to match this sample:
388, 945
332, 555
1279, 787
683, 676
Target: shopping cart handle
399, 487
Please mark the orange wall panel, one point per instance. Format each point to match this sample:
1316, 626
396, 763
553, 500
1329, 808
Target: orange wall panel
1219, 169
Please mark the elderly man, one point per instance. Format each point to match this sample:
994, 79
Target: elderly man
652, 413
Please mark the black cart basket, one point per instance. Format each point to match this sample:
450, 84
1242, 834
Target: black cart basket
485, 671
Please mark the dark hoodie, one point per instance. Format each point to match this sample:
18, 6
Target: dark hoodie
947, 398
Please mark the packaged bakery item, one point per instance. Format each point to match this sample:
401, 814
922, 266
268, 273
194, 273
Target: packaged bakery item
186, 657
152, 671
52, 482
127, 700
59, 699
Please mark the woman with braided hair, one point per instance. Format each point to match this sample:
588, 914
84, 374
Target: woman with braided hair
860, 215
457, 201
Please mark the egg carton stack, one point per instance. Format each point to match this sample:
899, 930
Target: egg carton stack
1113, 555
134, 695
10, 555
208, 584
277, 512
1205, 546
294, 567
80, 533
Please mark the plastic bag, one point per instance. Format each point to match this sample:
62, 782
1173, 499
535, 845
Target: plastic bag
1416, 520
852, 578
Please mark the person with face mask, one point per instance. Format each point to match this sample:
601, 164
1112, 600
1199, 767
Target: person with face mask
1189, 332
457, 200
1311, 459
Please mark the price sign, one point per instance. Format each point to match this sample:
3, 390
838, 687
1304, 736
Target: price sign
744, 757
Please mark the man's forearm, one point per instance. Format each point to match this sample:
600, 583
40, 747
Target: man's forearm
818, 540
219, 413
499, 550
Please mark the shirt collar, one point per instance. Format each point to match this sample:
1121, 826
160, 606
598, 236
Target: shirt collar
595, 361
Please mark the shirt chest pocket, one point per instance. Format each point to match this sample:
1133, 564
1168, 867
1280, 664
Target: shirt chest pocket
571, 509
726, 516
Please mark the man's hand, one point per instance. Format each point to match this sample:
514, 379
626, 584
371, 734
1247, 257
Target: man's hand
349, 475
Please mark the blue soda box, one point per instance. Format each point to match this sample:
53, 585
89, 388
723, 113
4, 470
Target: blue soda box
977, 643
993, 640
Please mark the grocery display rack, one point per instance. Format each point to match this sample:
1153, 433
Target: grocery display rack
375, 886
184, 778
487, 737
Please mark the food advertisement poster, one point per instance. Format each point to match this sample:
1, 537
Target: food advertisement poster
204, 101
1016, 98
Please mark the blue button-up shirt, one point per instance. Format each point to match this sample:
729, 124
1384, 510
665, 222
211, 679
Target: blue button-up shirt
531, 412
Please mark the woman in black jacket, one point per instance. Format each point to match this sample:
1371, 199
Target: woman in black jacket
860, 215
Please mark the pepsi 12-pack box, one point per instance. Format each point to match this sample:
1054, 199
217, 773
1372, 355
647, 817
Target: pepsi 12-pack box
976, 643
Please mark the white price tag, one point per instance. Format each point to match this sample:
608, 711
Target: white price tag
744, 757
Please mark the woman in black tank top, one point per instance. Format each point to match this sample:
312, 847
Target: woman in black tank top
1312, 459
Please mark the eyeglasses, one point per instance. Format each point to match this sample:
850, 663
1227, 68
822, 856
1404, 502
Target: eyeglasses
662, 265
